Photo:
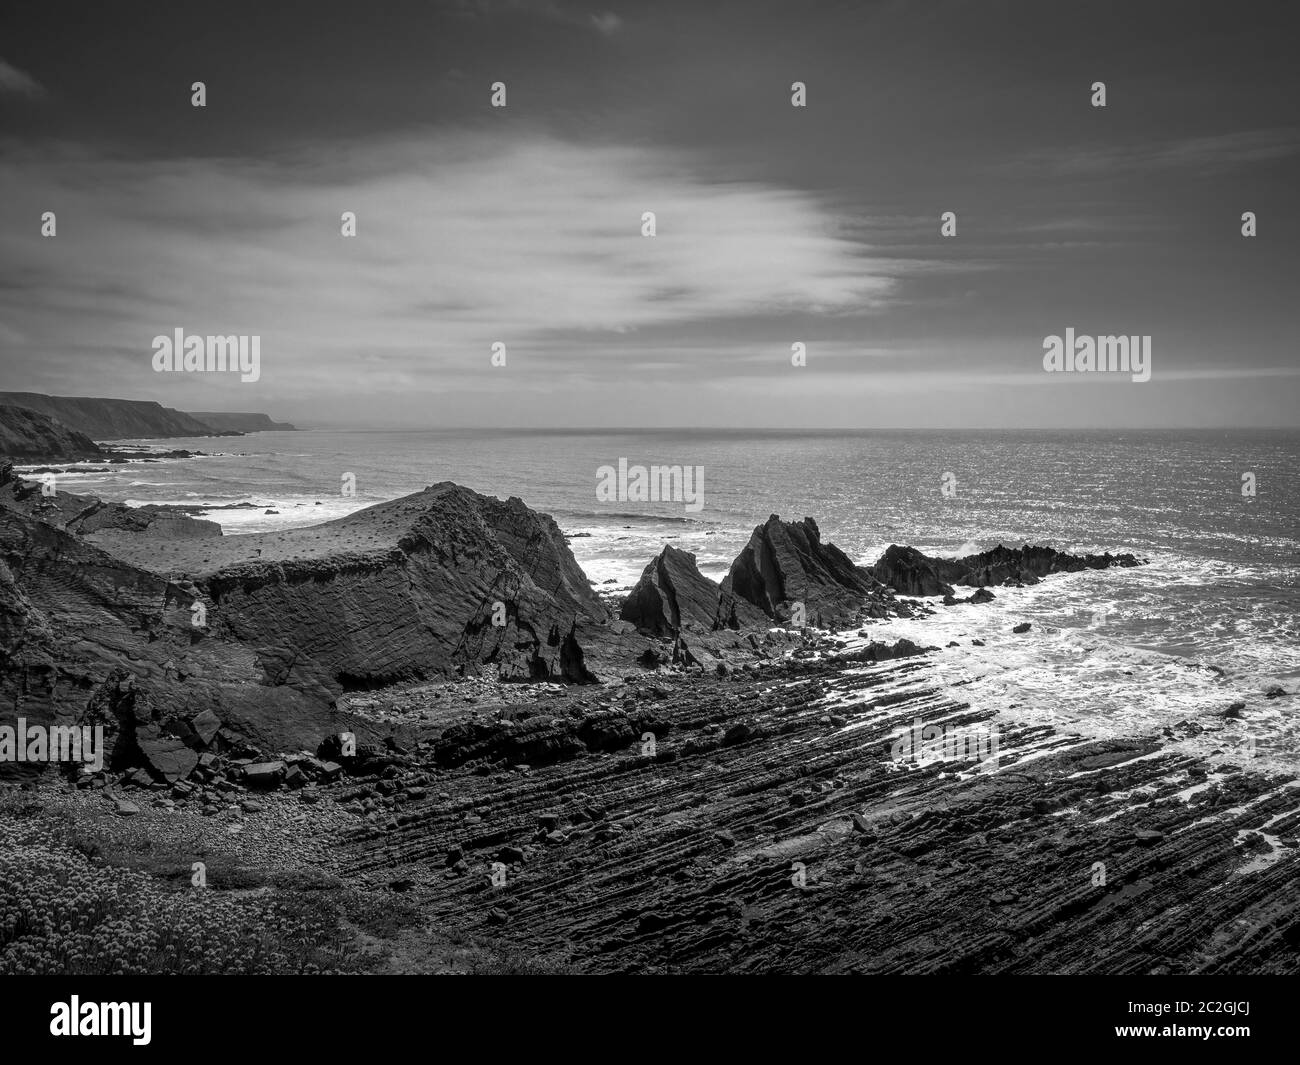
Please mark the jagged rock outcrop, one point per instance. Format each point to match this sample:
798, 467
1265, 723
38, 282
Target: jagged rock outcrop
1005, 565
30, 436
671, 596
909, 572
786, 563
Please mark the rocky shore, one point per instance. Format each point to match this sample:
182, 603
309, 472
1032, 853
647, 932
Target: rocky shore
427, 703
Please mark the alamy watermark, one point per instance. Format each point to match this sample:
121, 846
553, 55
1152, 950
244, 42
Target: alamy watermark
75, 1017
1108, 354
952, 743
200, 354
654, 484
56, 743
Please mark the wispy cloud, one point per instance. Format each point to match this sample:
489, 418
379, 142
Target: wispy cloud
604, 22
13, 80
1208, 154
461, 242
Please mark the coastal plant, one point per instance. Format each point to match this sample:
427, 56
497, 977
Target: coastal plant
61, 912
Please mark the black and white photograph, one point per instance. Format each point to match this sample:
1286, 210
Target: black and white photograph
610, 488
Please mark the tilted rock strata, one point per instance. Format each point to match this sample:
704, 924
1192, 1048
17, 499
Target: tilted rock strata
769, 829
77, 624
442, 580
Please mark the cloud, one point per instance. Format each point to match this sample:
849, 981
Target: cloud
462, 241
13, 80
604, 22
1204, 154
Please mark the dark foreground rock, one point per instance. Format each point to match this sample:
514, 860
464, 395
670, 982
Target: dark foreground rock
769, 825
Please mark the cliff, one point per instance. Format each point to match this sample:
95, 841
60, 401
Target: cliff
233, 422
87, 636
110, 419
27, 434
432, 584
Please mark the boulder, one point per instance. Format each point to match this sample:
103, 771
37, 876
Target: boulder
205, 726
167, 757
264, 774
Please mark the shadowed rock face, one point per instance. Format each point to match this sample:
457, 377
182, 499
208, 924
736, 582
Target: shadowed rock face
95, 519
911, 573
403, 590
672, 595
81, 629
786, 563
110, 419
31, 435
420, 587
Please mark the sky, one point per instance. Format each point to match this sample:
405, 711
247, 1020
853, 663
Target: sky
774, 224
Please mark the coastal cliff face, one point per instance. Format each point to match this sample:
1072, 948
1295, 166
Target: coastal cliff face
27, 434
239, 422
109, 419
429, 585
101, 622
87, 637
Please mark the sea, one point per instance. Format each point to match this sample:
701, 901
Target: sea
1213, 619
